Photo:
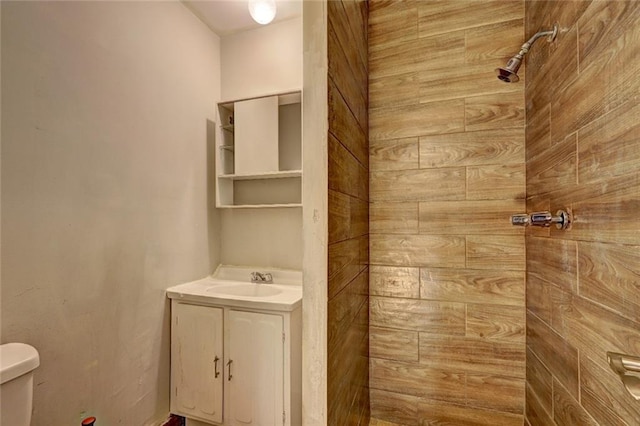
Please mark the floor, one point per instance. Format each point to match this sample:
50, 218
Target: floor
376, 422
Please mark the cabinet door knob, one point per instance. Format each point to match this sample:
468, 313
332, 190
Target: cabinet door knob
215, 366
229, 365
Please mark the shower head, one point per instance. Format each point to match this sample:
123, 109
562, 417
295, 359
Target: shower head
509, 74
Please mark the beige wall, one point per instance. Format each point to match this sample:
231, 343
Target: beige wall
315, 218
262, 61
259, 62
583, 152
104, 196
447, 308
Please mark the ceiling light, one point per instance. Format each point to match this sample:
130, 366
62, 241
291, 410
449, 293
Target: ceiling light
262, 11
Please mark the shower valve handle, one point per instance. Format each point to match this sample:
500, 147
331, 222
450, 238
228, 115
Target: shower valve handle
562, 219
520, 219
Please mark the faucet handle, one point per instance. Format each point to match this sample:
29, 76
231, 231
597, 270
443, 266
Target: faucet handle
259, 277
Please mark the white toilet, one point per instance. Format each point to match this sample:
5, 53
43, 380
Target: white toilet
17, 362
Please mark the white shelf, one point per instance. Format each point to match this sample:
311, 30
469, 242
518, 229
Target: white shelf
268, 175
259, 206
259, 152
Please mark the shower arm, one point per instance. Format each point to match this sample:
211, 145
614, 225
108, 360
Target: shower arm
525, 47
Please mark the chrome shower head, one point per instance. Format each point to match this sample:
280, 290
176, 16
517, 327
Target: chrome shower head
509, 74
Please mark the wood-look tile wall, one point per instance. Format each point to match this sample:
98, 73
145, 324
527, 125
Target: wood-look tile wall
583, 152
348, 314
447, 159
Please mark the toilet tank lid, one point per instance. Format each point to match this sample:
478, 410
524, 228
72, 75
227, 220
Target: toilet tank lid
17, 359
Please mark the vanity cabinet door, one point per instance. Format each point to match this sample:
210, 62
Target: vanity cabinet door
255, 380
197, 361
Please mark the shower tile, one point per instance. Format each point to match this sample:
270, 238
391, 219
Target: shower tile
392, 23
496, 182
461, 82
507, 393
610, 146
561, 65
495, 111
424, 54
603, 395
393, 218
491, 45
496, 322
485, 147
473, 286
471, 354
339, 216
560, 357
441, 413
554, 261
539, 378
566, 409
538, 133
443, 318
418, 185
417, 120
495, 252
609, 218
469, 217
343, 309
594, 330
395, 154
597, 89
393, 344
394, 407
440, 16
539, 297
554, 168
343, 265
394, 281
346, 174
445, 251
354, 45
345, 77
359, 220
394, 90
346, 127
535, 413
609, 276
417, 380
603, 23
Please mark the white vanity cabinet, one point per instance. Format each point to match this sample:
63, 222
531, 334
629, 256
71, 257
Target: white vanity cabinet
197, 361
235, 366
255, 370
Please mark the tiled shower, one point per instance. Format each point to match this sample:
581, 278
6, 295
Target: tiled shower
472, 320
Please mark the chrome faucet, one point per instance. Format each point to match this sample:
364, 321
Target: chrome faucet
261, 278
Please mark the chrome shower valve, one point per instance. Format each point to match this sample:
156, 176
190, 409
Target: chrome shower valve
562, 219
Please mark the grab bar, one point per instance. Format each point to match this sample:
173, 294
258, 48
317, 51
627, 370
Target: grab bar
628, 368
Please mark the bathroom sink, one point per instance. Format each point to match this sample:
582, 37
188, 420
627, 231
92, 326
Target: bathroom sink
247, 290
232, 286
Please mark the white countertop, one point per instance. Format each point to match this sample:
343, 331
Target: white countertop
231, 286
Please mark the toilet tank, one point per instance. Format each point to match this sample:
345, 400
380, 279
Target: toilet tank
17, 362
